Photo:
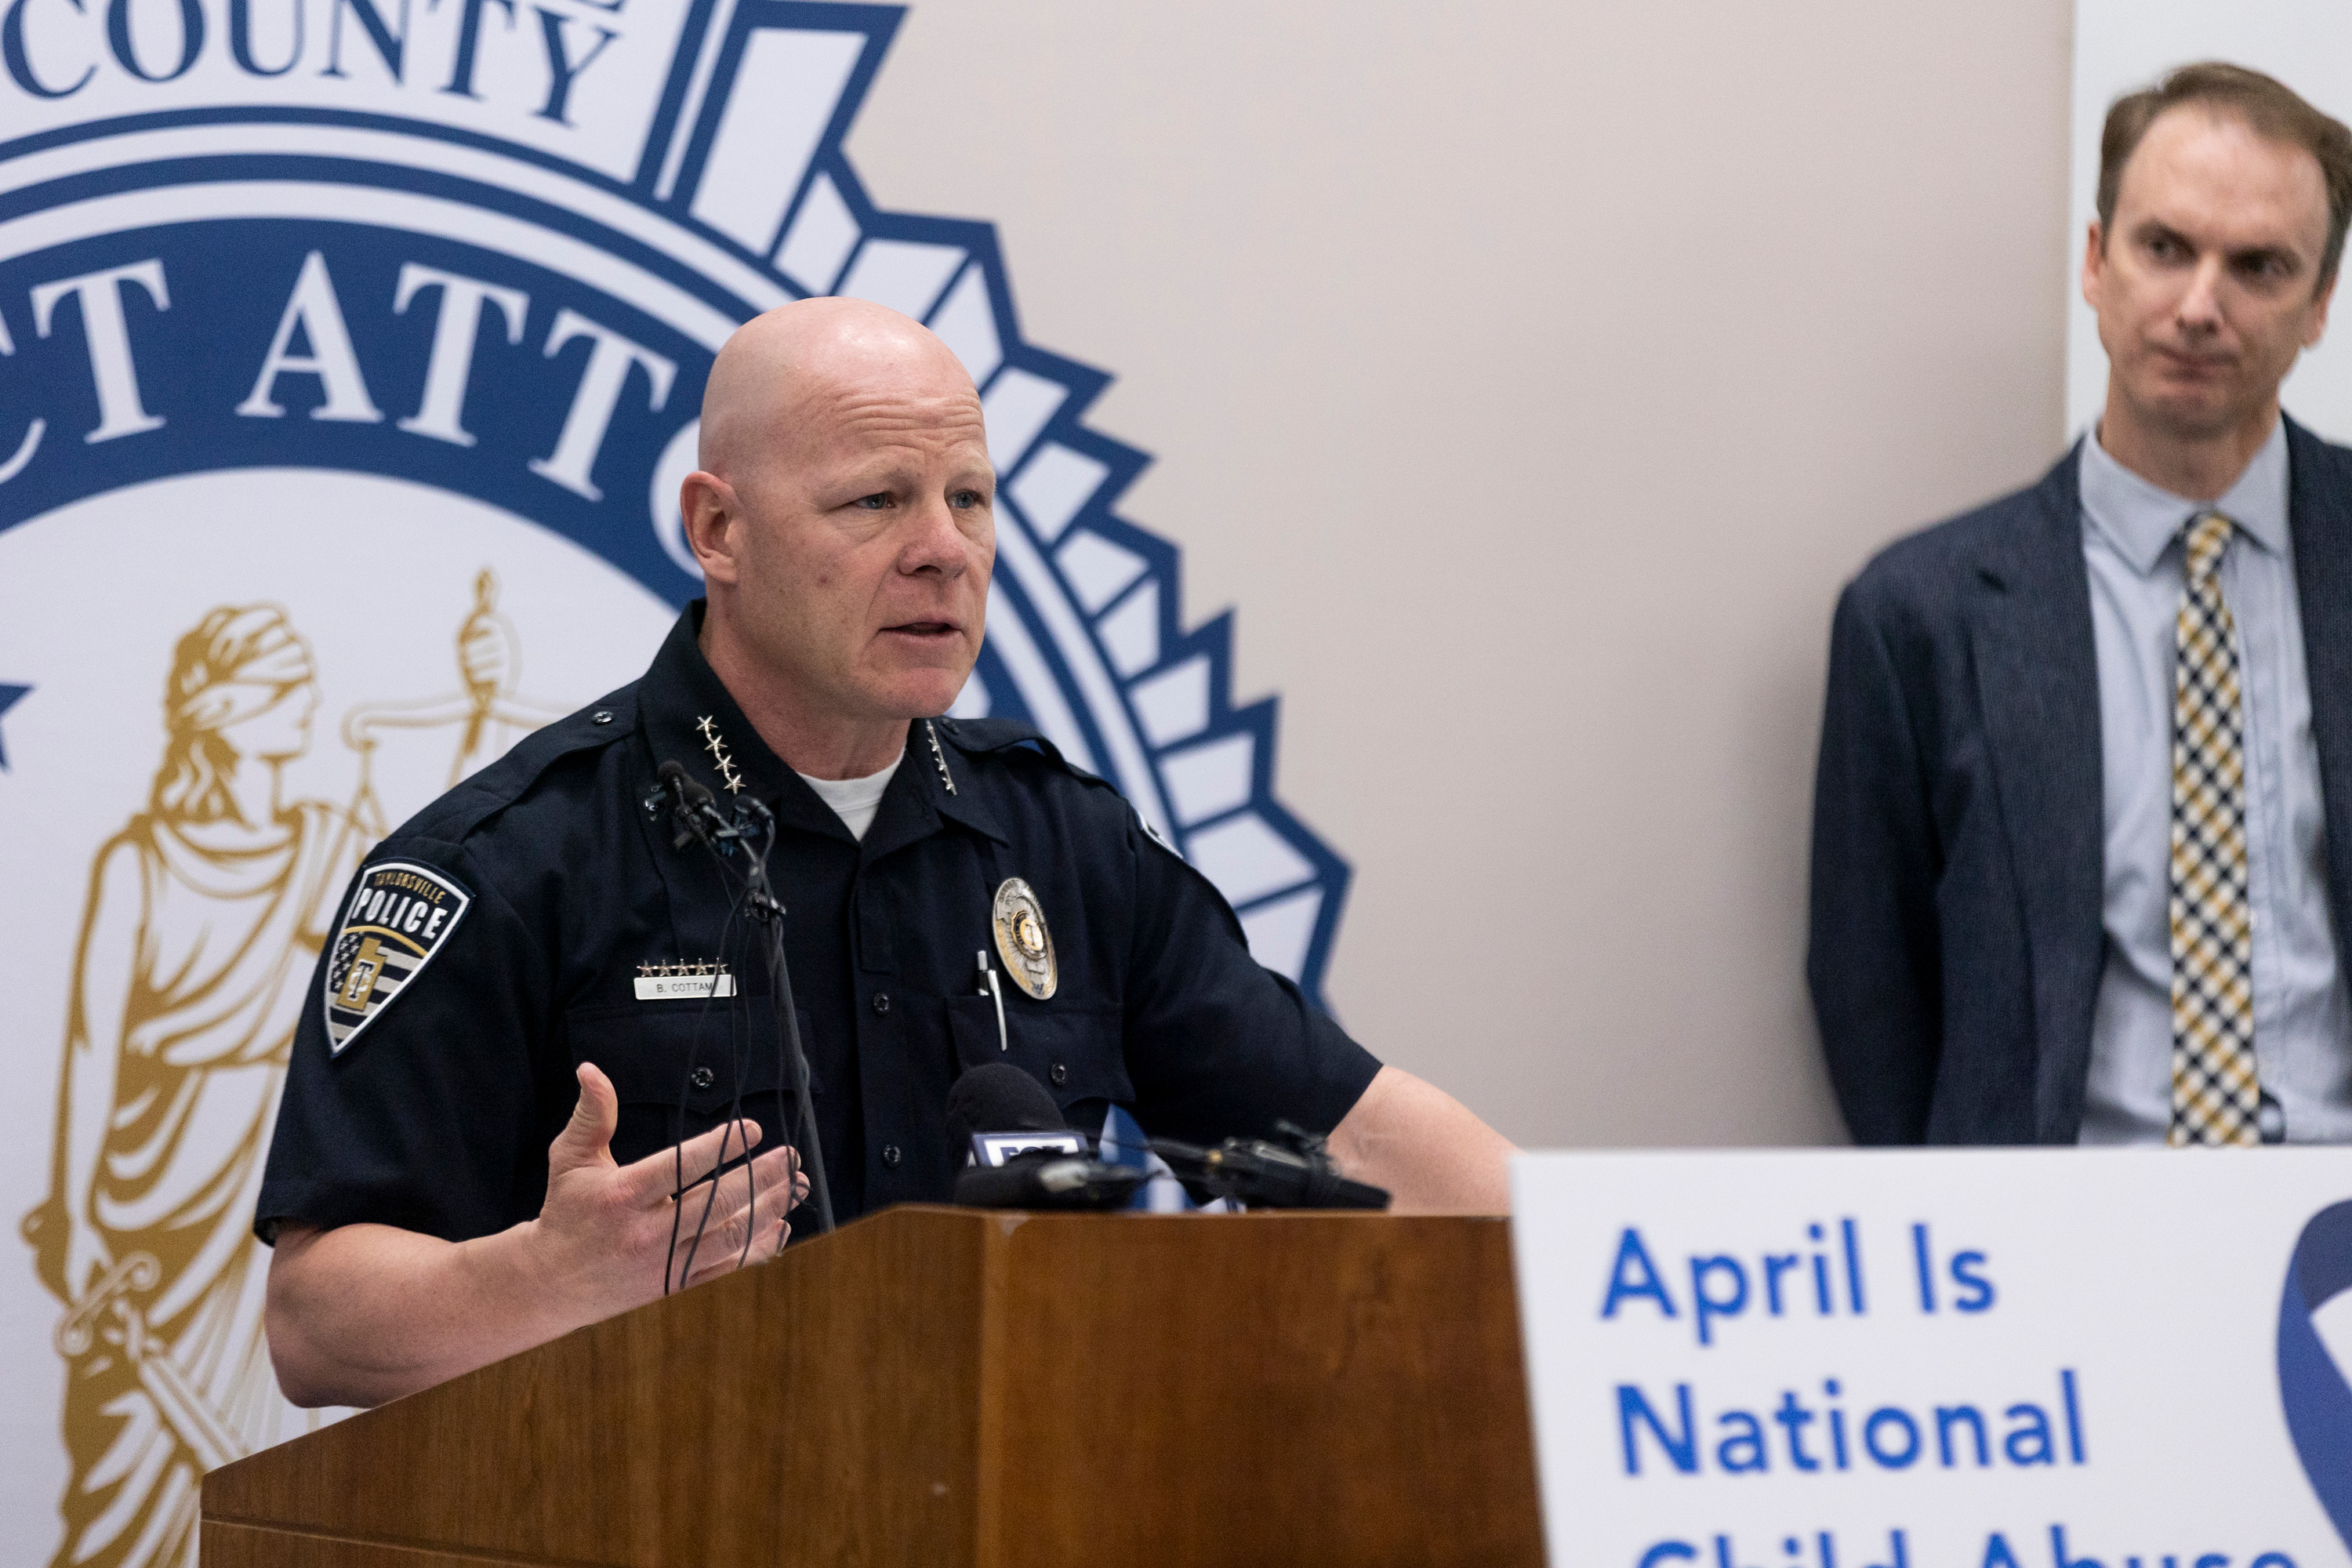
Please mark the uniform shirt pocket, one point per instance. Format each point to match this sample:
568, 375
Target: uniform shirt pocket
662, 1055
1076, 1053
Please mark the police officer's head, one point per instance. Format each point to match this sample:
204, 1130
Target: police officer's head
844, 516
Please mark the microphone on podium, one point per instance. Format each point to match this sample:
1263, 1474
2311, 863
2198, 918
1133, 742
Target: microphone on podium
1296, 1174
1023, 1155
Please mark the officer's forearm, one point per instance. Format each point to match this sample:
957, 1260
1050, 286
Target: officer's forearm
1425, 1147
363, 1313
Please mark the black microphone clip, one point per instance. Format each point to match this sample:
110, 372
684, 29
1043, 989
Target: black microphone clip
693, 810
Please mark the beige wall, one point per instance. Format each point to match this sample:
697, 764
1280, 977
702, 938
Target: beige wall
1529, 376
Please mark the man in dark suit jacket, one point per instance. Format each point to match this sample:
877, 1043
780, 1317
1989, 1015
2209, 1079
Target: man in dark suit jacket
2082, 825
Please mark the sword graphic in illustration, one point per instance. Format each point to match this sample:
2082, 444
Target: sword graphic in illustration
105, 1311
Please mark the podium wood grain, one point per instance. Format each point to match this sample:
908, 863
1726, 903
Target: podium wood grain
941, 1387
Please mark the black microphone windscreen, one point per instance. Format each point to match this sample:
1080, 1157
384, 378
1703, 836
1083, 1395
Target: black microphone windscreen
669, 770
997, 1097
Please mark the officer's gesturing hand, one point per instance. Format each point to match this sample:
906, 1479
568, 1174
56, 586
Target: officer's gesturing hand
604, 1236
361, 1313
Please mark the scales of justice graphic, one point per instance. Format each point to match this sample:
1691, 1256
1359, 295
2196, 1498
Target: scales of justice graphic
360, 347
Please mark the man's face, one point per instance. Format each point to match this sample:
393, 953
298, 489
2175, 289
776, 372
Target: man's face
865, 538
2206, 281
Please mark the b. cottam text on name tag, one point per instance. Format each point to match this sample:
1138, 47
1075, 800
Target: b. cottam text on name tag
669, 987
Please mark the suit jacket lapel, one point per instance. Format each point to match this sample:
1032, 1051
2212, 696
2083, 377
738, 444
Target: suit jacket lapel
2320, 513
2038, 680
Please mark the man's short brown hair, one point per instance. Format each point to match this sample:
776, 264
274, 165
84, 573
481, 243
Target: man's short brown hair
2269, 107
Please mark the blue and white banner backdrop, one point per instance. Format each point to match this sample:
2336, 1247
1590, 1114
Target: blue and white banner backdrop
1940, 1359
350, 358
2124, 45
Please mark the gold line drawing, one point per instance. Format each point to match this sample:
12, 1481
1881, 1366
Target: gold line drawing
204, 919
490, 663
204, 916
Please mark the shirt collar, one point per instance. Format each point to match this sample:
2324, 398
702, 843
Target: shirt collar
690, 718
681, 692
2139, 519
937, 745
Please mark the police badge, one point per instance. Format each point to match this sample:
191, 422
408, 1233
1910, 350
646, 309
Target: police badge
397, 920
1022, 941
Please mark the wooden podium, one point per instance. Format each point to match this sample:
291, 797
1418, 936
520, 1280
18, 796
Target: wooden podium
933, 1386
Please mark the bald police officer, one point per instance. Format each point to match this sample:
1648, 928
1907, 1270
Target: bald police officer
494, 1095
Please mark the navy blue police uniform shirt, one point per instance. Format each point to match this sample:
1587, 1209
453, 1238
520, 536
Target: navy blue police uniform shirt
496, 940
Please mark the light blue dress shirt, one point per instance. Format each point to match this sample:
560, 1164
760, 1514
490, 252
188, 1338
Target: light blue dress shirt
2302, 1021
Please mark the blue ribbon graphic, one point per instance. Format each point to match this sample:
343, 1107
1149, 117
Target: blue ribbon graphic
2311, 1386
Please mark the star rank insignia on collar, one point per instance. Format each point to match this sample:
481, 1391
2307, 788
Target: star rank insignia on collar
938, 757
718, 749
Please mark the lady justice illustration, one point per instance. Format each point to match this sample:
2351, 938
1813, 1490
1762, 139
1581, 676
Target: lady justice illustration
204, 919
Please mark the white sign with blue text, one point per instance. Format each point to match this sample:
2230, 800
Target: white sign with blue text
1940, 1359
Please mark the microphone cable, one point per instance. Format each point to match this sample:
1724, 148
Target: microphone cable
695, 816
790, 1054
756, 893
679, 1188
689, 809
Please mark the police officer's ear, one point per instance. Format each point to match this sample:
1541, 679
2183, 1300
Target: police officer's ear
712, 513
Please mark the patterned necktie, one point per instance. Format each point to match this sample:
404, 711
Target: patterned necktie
2216, 1096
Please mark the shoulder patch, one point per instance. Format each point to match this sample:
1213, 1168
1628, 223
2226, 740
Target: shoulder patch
400, 915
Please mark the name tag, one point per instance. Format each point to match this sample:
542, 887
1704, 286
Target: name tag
667, 987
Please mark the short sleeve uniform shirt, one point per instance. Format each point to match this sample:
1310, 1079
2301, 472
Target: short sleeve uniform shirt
496, 940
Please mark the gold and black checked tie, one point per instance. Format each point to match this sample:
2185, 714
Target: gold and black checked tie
2216, 1094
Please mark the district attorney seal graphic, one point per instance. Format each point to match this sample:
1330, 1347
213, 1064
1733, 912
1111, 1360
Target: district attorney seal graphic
350, 355
2313, 1360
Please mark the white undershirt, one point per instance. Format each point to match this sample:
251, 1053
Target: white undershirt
855, 801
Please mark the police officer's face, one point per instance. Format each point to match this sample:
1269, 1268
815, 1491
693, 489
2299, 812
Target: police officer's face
2206, 283
867, 536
